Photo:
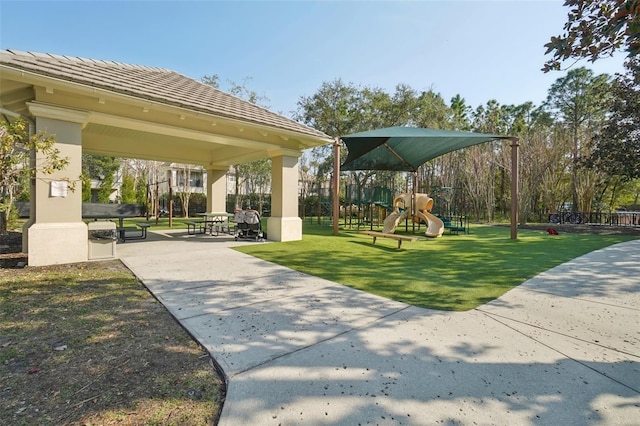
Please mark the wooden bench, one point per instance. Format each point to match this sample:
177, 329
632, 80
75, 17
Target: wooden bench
399, 238
195, 226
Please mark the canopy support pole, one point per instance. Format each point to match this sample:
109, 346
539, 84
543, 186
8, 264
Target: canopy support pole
336, 185
514, 188
414, 212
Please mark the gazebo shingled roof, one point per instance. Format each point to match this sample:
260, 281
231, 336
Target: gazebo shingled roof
150, 83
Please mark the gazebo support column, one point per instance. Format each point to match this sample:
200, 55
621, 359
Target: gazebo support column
336, 186
284, 223
216, 190
55, 232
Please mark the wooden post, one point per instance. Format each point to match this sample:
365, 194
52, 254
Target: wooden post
157, 203
170, 203
414, 213
336, 185
147, 201
514, 188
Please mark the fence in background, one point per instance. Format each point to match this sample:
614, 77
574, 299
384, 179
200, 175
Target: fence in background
619, 218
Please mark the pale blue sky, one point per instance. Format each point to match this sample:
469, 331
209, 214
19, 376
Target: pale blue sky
480, 49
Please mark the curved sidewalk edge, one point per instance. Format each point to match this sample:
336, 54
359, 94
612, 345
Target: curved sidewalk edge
562, 348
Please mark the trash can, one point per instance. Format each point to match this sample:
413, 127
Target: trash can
102, 240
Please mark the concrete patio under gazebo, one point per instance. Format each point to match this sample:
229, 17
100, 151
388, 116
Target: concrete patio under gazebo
132, 111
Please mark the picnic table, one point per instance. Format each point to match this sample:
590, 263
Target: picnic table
137, 232
216, 222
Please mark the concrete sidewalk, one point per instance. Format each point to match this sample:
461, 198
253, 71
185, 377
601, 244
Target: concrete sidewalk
563, 348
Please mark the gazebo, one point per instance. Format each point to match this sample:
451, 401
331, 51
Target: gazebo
406, 149
132, 111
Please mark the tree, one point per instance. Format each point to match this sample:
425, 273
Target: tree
542, 158
616, 148
335, 109
183, 186
141, 192
580, 101
102, 169
460, 113
127, 190
86, 188
137, 170
595, 29
430, 110
255, 174
256, 179
16, 149
482, 164
211, 80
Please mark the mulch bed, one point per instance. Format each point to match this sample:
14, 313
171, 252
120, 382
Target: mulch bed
586, 229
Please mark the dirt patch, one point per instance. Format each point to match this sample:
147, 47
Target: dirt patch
87, 344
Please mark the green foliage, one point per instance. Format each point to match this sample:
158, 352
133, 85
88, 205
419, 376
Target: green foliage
16, 144
580, 101
430, 111
127, 190
105, 189
579, 98
616, 149
596, 29
254, 178
102, 169
240, 90
459, 113
309, 205
334, 109
23, 190
197, 204
86, 188
211, 80
99, 167
141, 193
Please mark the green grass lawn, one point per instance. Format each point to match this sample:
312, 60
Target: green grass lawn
455, 272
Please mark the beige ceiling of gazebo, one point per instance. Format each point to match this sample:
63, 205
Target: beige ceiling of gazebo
150, 113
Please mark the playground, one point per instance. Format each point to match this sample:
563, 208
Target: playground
378, 208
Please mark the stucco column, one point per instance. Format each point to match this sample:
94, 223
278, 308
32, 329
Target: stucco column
216, 190
284, 223
55, 232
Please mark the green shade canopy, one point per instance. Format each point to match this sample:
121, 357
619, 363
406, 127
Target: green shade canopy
405, 148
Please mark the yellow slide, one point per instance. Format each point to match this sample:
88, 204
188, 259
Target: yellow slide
435, 227
424, 203
391, 221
